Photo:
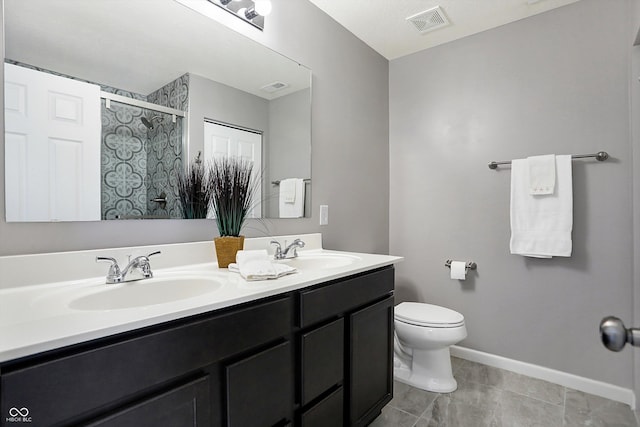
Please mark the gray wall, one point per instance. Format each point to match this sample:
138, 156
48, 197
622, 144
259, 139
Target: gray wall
215, 101
289, 148
634, 34
554, 83
350, 169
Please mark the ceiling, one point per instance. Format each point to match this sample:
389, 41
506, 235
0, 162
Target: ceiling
382, 24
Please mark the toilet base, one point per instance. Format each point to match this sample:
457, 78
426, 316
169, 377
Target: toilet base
429, 370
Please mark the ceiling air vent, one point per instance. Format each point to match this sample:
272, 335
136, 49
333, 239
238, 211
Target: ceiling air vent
274, 87
429, 20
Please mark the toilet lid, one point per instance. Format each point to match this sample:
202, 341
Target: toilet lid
420, 314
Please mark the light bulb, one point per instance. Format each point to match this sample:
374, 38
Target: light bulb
263, 7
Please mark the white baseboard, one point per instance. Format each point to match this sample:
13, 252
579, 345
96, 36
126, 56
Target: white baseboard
598, 388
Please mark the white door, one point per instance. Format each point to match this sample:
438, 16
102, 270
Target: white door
224, 141
52, 147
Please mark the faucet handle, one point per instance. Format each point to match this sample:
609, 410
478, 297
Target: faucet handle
154, 253
114, 275
278, 254
145, 266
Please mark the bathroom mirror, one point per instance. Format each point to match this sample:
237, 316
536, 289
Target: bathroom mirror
151, 75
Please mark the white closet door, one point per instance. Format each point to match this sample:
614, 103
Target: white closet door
223, 141
52, 147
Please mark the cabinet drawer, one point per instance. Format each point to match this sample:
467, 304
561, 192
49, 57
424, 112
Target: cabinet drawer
260, 389
322, 359
181, 406
119, 371
327, 301
328, 412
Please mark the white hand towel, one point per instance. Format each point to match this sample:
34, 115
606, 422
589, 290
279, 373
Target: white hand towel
294, 209
243, 257
541, 226
288, 190
254, 275
542, 174
256, 265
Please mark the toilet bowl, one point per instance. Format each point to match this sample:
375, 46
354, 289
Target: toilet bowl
423, 335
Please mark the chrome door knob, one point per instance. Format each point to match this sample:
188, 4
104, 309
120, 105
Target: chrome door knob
615, 335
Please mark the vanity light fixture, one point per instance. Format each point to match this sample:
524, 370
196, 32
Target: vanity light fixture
251, 11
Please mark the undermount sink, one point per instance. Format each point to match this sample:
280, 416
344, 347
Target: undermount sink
320, 261
146, 292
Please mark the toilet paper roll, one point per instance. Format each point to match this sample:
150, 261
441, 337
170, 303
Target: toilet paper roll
458, 270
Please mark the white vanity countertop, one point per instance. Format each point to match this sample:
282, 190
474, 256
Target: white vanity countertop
38, 317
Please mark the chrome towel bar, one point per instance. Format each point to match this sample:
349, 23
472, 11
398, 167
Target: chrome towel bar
306, 181
600, 156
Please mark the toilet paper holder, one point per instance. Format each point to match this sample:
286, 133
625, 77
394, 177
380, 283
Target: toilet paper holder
470, 265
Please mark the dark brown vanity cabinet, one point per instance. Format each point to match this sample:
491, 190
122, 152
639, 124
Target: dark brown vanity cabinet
347, 350
175, 371
320, 356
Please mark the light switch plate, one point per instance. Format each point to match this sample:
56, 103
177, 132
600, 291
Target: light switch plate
324, 214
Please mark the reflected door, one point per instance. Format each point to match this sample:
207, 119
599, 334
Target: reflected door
52, 147
224, 141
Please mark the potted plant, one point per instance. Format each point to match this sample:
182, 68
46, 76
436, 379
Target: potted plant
195, 190
233, 189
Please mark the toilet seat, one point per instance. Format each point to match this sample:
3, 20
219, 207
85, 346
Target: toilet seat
427, 315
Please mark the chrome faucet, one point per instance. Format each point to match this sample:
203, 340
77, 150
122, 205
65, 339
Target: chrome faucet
141, 263
280, 254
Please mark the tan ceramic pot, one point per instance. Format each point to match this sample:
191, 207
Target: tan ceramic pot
226, 249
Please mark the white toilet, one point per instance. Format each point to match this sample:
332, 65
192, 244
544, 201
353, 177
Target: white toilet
423, 335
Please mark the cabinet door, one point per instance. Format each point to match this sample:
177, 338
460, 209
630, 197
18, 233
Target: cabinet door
259, 389
371, 361
187, 405
322, 351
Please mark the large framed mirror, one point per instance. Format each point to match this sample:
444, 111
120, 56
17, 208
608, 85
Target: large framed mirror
107, 100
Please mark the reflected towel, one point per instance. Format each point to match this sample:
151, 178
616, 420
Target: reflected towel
295, 208
541, 226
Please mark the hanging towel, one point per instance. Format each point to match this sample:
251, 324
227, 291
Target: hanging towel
288, 190
541, 226
256, 265
292, 206
542, 174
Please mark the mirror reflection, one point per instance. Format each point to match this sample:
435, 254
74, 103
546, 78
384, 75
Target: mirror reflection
101, 116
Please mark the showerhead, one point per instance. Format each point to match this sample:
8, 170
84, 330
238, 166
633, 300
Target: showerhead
149, 122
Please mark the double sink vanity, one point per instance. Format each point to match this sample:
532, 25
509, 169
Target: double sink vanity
194, 344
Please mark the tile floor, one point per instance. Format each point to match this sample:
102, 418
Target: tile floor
493, 397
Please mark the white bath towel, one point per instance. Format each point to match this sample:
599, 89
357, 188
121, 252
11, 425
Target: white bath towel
542, 174
256, 265
541, 226
291, 207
